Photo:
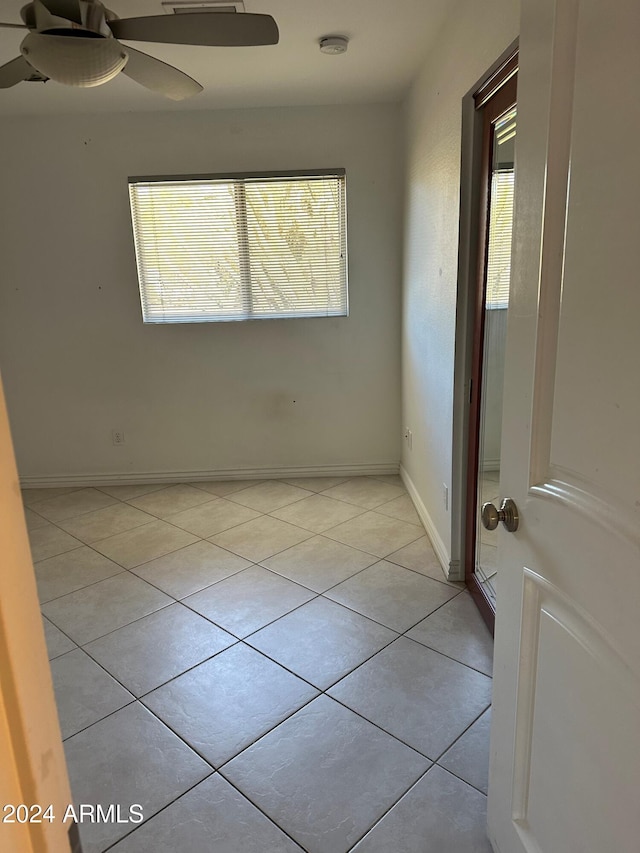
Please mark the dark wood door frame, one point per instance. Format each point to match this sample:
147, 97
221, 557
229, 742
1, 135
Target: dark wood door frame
492, 100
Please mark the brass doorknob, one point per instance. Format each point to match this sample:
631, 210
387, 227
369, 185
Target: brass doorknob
507, 514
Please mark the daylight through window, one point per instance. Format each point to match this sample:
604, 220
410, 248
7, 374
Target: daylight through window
240, 247
499, 249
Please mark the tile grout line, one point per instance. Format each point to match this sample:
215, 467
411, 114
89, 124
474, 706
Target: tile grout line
246, 640
392, 806
246, 637
80, 588
155, 814
321, 691
462, 734
262, 514
256, 806
458, 776
213, 773
239, 571
445, 655
276, 619
220, 768
402, 796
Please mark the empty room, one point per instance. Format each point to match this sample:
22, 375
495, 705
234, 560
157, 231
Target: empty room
318, 498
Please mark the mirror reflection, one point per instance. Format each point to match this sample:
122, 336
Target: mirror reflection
495, 332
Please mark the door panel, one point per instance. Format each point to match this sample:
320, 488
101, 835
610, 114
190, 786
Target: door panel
558, 778
565, 754
603, 214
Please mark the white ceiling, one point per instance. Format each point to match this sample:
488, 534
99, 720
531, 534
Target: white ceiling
389, 39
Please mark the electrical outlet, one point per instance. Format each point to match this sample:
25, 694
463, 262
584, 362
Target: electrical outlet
445, 496
117, 436
408, 437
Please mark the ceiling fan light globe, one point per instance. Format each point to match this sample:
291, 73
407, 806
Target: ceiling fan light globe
75, 61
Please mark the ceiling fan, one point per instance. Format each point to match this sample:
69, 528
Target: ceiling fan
76, 42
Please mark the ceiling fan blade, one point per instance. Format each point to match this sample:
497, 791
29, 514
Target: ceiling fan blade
15, 72
43, 19
14, 26
217, 29
67, 9
159, 77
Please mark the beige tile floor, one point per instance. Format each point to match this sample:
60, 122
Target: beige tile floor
265, 667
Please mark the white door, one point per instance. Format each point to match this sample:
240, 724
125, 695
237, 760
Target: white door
33, 771
565, 754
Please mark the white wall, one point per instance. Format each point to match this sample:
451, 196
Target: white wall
76, 359
474, 37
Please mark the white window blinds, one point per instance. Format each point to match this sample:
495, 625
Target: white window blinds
499, 250
240, 247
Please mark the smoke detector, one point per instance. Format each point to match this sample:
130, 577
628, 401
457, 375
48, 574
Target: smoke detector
334, 44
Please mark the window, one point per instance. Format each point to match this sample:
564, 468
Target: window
501, 212
499, 249
238, 247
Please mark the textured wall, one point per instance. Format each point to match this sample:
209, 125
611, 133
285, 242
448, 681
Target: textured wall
76, 359
472, 40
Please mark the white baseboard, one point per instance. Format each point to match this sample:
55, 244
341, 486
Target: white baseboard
129, 478
450, 567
